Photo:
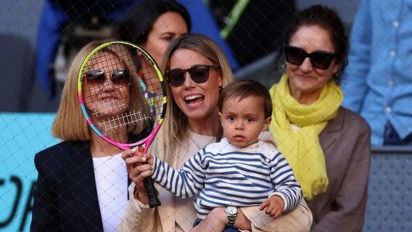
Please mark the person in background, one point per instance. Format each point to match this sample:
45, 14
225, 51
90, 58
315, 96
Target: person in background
79, 177
153, 24
64, 28
192, 122
327, 145
375, 83
66, 24
240, 170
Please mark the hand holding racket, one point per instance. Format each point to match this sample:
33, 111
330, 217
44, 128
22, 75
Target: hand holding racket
122, 106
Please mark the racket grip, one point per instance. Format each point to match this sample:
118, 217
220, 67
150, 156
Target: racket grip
151, 192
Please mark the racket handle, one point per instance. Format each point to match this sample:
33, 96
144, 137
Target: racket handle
151, 192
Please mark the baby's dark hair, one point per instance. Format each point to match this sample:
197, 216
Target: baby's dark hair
245, 88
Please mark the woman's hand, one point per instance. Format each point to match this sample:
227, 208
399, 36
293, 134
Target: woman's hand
139, 166
273, 206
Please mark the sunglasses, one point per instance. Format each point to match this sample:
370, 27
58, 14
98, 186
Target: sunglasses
198, 73
318, 59
98, 77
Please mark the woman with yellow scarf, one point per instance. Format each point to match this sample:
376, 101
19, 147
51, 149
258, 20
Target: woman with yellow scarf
327, 145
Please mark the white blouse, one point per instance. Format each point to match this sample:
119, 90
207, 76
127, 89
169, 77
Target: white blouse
111, 183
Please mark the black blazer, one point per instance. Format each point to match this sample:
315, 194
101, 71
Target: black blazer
65, 197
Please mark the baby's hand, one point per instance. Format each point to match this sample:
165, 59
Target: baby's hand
273, 206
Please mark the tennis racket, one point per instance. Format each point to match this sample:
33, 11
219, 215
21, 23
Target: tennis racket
123, 98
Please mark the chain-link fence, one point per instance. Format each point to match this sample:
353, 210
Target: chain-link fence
39, 38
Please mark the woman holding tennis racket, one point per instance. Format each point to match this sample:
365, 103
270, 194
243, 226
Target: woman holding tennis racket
192, 122
82, 182
327, 145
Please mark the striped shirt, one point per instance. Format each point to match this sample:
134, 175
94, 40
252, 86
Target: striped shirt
223, 175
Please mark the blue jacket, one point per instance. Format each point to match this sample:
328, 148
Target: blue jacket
378, 81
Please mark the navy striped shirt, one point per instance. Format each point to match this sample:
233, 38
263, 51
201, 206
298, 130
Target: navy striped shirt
223, 175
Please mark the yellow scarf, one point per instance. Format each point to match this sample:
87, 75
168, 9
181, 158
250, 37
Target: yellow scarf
300, 142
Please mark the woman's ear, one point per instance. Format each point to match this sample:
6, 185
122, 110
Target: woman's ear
220, 78
337, 68
335, 75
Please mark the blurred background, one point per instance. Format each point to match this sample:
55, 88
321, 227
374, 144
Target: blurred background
25, 28
38, 38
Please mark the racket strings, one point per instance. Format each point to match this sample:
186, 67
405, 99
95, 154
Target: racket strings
120, 121
153, 91
111, 105
123, 110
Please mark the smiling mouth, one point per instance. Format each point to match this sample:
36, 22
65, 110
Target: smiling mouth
109, 99
194, 98
304, 77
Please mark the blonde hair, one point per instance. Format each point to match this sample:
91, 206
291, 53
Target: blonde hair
175, 129
69, 123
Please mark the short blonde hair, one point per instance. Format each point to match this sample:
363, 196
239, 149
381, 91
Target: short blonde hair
69, 123
175, 128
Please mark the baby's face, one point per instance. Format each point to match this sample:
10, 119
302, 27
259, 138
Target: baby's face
243, 120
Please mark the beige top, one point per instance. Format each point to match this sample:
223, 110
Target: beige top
178, 215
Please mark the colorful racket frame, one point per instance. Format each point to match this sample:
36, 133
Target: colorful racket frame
124, 146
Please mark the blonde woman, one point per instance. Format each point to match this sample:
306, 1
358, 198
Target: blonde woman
196, 71
79, 177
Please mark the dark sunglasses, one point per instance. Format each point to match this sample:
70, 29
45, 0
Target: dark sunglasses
98, 77
198, 73
318, 59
